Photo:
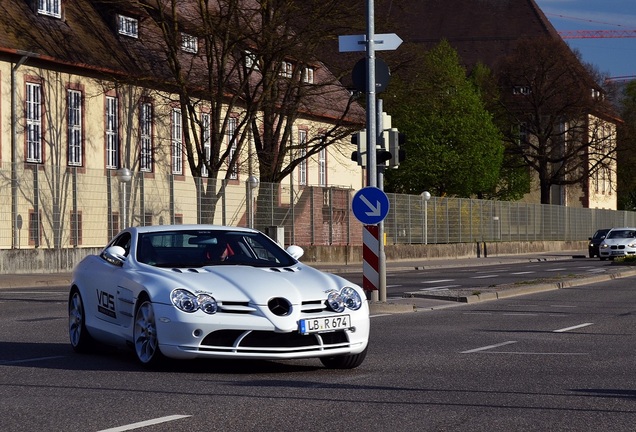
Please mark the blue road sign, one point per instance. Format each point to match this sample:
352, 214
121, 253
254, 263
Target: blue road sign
370, 205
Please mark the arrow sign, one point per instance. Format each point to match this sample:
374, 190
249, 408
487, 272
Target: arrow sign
382, 42
370, 205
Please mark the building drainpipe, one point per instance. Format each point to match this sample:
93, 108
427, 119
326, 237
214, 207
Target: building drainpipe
14, 152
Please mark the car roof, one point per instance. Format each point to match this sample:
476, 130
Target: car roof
190, 227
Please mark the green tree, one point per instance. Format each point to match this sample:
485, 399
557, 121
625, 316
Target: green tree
514, 177
453, 147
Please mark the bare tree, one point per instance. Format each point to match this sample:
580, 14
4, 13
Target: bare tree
251, 77
560, 124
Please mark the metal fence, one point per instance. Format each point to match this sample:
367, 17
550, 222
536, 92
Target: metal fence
65, 207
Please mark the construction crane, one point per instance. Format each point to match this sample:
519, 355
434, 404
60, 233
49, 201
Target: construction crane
597, 34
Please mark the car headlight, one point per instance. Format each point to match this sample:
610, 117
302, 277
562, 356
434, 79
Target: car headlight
347, 297
604, 246
186, 301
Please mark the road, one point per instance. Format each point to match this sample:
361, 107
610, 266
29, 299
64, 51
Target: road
477, 276
560, 360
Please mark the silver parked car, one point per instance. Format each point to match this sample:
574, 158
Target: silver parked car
618, 242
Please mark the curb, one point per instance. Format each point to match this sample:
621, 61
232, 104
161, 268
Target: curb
530, 289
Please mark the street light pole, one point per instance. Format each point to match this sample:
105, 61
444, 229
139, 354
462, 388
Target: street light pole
124, 175
426, 196
251, 183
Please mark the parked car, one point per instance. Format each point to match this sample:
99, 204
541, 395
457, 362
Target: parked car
618, 242
595, 242
205, 291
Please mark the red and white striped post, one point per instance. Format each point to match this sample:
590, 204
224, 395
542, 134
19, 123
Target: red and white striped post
370, 258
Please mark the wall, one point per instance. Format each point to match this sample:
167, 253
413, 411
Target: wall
22, 261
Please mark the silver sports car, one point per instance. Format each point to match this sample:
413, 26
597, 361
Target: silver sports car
192, 291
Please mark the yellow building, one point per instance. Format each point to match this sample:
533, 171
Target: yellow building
93, 136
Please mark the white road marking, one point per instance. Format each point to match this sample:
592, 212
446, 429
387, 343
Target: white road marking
484, 277
29, 360
556, 269
488, 347
145, 423
535, 353
437, 281
572, 328
523, 272
520, 314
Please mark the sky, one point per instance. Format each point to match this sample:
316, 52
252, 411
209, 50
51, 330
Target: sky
615, 57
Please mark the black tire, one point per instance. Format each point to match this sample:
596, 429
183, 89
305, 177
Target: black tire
345, 361
145, 340
80, 339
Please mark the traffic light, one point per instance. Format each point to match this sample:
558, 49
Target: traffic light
360, 139
396, 140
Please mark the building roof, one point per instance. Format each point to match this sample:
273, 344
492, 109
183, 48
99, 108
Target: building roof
480, 30
85, 40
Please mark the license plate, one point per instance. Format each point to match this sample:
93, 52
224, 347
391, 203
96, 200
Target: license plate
324, 324
618, 253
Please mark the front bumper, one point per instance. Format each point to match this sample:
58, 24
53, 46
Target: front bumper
252, 336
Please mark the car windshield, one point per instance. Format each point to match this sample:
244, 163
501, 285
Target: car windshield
199, 248
600, 234
618, 234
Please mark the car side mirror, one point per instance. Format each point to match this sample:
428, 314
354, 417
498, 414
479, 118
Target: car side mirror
115, 255
295, 251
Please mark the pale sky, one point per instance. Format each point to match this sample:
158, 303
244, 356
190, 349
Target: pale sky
615, 56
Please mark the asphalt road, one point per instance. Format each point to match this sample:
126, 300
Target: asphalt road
560, 360
403, 280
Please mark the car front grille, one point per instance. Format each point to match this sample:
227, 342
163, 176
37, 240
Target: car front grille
256, 342
307, 307
615, 247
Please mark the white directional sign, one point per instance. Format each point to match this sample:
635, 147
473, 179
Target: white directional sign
382, 42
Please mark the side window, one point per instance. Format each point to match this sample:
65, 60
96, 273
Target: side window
123, 241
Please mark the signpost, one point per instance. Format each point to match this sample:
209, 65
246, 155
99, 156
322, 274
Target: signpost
371, 205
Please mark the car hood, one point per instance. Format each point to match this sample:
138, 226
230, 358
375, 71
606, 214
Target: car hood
618, 241
256, 285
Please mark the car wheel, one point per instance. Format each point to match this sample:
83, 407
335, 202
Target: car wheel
345, 361
145, 335
81, 340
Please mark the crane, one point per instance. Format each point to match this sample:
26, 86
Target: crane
597, 34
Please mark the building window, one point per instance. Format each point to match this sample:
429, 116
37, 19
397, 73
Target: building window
308, 75
205, 141
231, 143
145, 137
35, 230
322, 167
76, 228
147, 219
189, 43
286, 69
250, 60
74, 121
522, 90
302, 167
128, 26
177, 149
112, 133
33, 116
50, 7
